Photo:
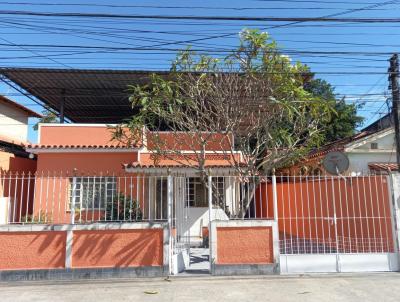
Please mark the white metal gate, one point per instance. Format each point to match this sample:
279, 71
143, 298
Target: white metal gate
178, 217
336, 224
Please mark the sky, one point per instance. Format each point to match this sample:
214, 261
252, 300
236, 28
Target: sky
352, 56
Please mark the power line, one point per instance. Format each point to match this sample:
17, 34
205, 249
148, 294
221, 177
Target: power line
202, 18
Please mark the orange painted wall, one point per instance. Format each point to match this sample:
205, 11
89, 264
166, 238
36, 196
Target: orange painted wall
244, 245
32, 250
75, 135
10, 162
85, 163
55, 170
264, 207
117, 248
187, 141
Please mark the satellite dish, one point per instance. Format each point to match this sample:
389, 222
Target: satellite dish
336, 162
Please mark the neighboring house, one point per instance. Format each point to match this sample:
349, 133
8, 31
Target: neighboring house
370, 151
14, 160
13, 134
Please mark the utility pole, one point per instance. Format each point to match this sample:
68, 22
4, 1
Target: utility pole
394, 84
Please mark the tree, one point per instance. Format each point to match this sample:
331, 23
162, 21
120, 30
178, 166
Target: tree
344, 121
48, 116
252, 101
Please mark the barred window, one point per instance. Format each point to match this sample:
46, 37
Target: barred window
196, 192
92, 192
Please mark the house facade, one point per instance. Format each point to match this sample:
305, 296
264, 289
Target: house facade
370, 151
14, 133
93, 178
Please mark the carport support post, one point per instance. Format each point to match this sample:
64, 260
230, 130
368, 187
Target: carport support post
62, 104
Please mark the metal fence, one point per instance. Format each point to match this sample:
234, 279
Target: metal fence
315, 214
52, 198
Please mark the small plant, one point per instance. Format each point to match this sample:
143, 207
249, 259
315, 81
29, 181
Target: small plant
42, 218
123, 208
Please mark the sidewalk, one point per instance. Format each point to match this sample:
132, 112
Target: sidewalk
345, 287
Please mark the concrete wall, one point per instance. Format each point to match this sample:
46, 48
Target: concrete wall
197, 218
69, 248
117, 248
359, 161
13, 122
244, 247
32, 250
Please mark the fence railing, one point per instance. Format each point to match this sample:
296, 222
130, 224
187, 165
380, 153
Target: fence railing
55, 198
315, 214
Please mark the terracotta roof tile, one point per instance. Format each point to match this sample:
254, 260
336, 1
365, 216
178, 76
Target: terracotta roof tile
148, 160
41, 147
383, 166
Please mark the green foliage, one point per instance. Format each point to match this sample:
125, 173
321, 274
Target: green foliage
255, 94
37, 219
48, 117
123, 208
345, 120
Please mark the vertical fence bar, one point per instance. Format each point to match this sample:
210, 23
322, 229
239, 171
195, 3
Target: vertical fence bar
310, 239
322, 213
47, 197
328, 213
169, 211
372, 212
40, 198
366, 216
360, 212
34, 197
334, 215
27, 197
283, 214
347, 215
357, 248
302, 213
53, 197
59, 197
379, 214
210, 240
137, 198
342, 243
295, 209
73, 199
315, 215
15, 196
20, 203
384, 214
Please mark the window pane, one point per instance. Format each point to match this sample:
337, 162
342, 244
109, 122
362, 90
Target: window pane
92, 191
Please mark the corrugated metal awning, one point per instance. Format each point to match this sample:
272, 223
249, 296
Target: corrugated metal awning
89, 96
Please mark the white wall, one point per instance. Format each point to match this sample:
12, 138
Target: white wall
13, 123
361, 156
359, 161
198, 218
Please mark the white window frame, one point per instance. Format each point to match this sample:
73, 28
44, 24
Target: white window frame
77, 199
